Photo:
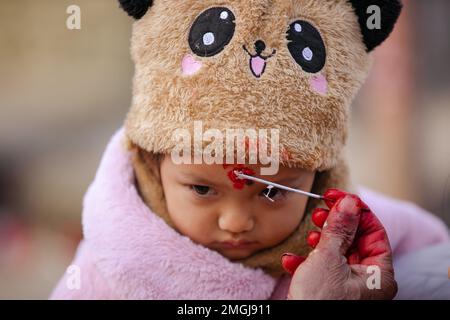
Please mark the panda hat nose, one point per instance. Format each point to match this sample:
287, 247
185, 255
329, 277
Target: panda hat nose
260, 46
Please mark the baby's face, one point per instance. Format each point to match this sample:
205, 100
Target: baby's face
237, 221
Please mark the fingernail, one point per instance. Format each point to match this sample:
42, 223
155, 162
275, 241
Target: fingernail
331, 196
349, 204
319, 217
334, 194
313, 238
290, 262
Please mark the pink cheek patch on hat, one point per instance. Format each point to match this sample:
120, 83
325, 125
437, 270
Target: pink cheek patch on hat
189, 65
319, 84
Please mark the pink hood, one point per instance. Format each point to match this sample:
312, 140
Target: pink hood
128, 252
140, 256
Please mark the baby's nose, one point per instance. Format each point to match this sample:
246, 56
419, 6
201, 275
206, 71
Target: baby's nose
236, 222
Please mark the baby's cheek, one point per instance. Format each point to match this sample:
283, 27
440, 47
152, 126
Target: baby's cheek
281, 225
319, 84
189, 65
195, 227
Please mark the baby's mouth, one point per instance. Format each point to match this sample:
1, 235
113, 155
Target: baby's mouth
258, 62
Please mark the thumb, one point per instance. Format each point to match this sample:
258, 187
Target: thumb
341, 225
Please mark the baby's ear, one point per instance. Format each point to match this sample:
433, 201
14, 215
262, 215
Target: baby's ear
366, 10
136, 8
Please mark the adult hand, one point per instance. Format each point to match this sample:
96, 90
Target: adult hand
352, 248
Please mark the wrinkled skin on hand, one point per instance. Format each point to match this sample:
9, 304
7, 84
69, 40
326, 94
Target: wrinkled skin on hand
351, 239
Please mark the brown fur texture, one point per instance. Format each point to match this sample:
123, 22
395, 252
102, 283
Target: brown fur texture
224, 94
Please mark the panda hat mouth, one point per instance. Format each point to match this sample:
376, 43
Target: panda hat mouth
258, 62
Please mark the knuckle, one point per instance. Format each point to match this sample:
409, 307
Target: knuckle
340, 232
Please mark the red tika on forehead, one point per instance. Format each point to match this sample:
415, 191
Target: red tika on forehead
237, 182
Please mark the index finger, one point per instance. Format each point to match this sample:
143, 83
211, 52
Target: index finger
371, 242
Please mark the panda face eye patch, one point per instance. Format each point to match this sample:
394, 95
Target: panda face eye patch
212, 31
306, 46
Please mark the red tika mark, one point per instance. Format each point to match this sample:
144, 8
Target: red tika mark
237, 182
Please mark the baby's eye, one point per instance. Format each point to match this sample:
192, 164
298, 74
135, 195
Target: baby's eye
272, 193
202, 190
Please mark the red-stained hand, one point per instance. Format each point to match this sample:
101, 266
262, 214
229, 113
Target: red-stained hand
351, 241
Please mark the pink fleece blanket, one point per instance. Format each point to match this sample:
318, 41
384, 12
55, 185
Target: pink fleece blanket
130, 253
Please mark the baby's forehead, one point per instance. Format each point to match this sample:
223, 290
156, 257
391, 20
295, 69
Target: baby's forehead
220, 169
229, 176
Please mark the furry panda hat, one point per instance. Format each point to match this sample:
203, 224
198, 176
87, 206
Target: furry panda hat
294, 65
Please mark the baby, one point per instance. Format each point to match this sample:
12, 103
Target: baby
164, 221
211, 206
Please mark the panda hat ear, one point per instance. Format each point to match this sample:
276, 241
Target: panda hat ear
389, 11
136, 8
